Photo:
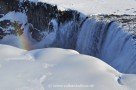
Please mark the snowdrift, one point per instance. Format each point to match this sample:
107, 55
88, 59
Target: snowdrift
33, 25
58, 69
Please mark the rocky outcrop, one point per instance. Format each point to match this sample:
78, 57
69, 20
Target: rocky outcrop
7, 28
39, 15
108, 37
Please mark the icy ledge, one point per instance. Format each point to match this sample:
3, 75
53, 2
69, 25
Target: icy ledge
58, 69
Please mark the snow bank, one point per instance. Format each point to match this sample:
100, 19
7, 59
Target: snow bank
21, 41
96, 6
21, 18
9, 51
57, 69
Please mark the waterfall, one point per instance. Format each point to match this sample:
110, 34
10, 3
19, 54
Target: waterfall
106, 40
109, 42
50, 27
67, 35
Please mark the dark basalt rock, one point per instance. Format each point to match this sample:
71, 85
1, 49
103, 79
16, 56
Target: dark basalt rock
127, 21
1, 15
1, 34
35, 33
5, 23
5, 30
97, 35
9, 5
39, 15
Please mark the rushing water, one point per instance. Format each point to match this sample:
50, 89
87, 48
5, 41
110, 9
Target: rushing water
105, 40
109, 42
100, 38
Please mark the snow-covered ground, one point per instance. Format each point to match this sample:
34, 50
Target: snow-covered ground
96, 6
15, 16
58, 69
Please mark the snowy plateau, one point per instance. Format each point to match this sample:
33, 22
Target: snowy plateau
67, 44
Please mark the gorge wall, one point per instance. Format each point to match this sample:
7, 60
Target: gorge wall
108, 37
